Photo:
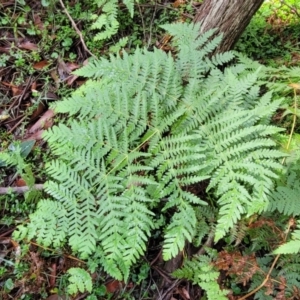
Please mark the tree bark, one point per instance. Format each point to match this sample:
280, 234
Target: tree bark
230, 17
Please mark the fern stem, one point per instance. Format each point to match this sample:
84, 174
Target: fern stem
55, 251
270, 270
76, 29
135, 149
293, 125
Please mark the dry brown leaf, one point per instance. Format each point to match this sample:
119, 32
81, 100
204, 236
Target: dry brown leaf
5, 49
33, 86
80, 82
40, 109
52, 278
16, 90
41, 65
55, 77
63, 69
38, 22
185, 293
72, 66
177, 3
44, 122
85, 62
51, 95
28, 46
20, 182
71, 79
295, 86
35, 136
114, 286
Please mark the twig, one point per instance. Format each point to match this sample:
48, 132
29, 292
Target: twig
269, 273
7, 232
166, 277
55, 251
166, 294
76, 29
17, 124
19, 189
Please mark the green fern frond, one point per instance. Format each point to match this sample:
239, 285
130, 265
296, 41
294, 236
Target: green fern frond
292, 246
51, 222
79, 281
141, 131
201, 271
107, 21
181, 228
285, 198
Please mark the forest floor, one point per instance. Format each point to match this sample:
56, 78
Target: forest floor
39, 49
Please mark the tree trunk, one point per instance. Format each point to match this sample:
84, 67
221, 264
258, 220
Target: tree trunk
230, 17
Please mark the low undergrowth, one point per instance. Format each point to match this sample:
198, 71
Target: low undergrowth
181, 182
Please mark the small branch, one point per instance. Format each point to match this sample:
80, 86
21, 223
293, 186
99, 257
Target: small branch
76, 29
19, 189
270, 270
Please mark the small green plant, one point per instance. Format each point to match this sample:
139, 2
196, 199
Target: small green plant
276, 24
153, 126
201, 271
79, 281
15, 157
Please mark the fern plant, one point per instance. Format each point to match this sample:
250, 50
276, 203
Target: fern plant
201, 271
143, 129
107, 22
79, 281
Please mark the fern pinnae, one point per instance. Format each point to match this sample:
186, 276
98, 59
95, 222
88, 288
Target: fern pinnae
181, 228
142, 130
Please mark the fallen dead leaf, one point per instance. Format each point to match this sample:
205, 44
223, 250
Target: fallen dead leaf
71, 79
35, 136
295, 86
113, 286
85, 62
55, 77
44, 122
51, 96
28, 46
63, 69
16, 90
41, 65
185, 293
38, 22
40, 109
33, 86
72, 66
5, 49
52, 278
20, 182
177, 3
80, 82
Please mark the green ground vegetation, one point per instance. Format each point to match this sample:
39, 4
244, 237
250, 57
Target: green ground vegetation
41, 55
